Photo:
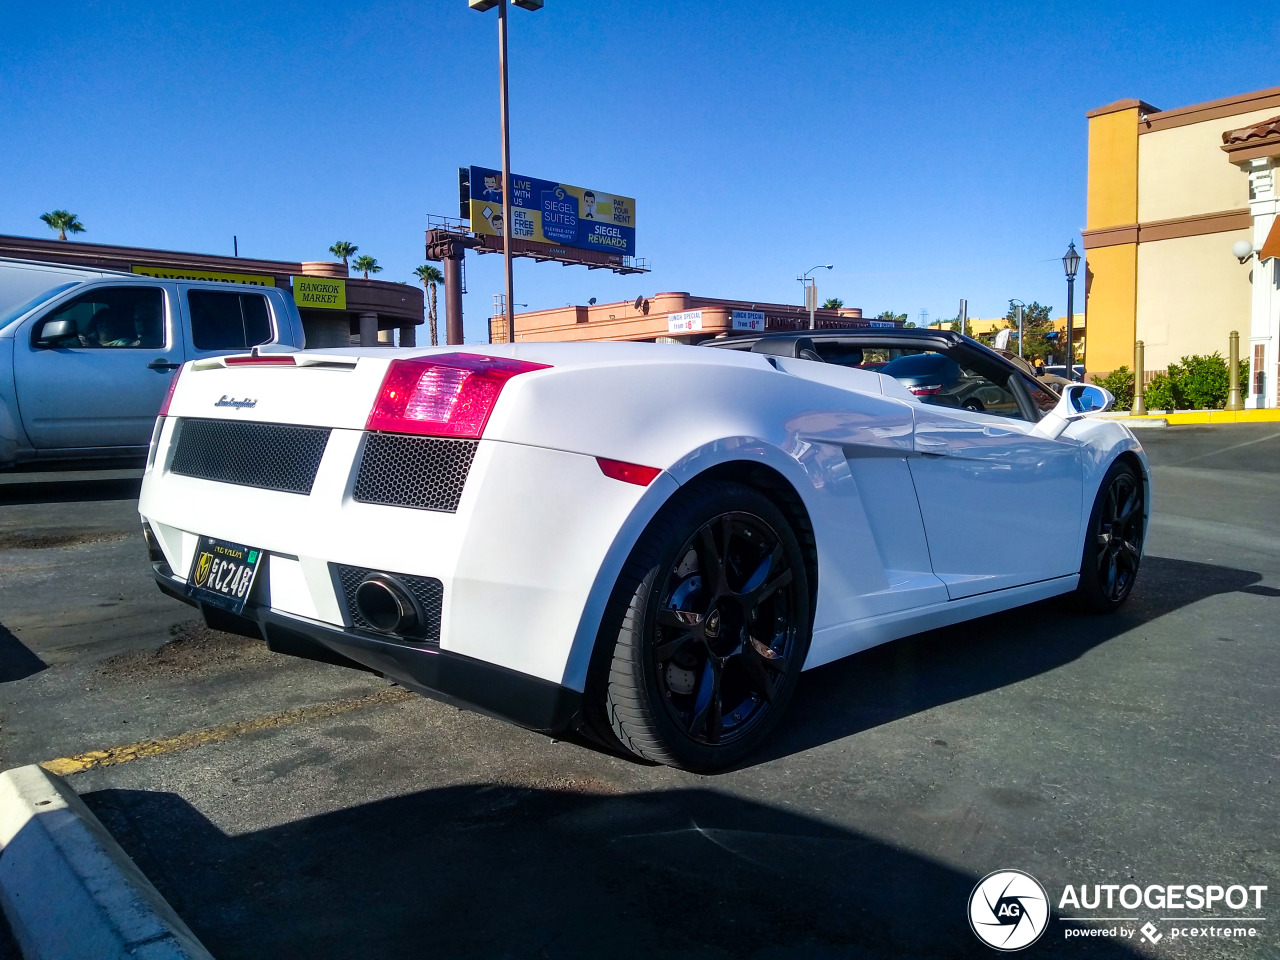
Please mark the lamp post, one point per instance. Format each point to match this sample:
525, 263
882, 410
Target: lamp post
811, 289
507, 223
1071, 263
1021, 306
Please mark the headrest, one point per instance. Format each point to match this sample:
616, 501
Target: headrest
786, 347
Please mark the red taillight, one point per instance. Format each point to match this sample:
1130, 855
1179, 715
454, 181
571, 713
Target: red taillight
168, 397
443, 396
258, 359
628, 472
926, 391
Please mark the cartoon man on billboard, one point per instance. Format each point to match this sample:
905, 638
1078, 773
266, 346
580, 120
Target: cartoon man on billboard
494, 217
493, 187
589, 204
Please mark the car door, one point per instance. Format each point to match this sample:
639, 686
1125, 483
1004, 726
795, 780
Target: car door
1001, 506
102, 384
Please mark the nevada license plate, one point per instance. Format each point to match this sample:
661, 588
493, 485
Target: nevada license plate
222, 573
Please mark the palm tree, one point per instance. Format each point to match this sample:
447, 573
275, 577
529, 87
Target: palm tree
430, 276
62, 221
834, 303
342, 249
366, 264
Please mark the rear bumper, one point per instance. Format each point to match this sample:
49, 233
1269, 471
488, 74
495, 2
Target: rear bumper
527, 701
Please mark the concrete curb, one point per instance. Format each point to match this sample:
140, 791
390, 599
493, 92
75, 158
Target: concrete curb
1145, 423
68, 889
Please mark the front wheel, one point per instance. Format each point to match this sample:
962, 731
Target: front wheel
1113, 540
715, 630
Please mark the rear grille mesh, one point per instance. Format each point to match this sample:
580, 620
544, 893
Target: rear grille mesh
427, 473
273, 456
428, 591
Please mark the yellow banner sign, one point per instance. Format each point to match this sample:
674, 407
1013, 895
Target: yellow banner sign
325, 293
182, 273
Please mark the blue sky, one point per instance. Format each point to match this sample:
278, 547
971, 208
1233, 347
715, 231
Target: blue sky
931, 152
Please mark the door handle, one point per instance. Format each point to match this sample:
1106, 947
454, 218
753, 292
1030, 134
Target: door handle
160, 363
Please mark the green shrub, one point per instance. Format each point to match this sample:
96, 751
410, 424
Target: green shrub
1159, 394
1200, 383
1197, 383
1120, 383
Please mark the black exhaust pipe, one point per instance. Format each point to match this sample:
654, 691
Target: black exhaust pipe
387, 606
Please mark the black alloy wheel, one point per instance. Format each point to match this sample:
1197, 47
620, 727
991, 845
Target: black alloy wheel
715, 632
1113, 543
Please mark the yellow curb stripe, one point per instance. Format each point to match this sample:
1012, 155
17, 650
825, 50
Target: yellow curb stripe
90, 759
1213, 416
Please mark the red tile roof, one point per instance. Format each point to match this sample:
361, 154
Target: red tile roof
1259, 131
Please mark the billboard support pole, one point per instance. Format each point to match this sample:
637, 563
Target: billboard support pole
450, 247
453, 297
507, 224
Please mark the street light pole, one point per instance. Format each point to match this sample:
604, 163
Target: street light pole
811, 289
1020, 305
1071, 263
507, 224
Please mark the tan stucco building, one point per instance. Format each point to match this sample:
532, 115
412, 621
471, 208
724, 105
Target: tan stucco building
670, 316
1170, 193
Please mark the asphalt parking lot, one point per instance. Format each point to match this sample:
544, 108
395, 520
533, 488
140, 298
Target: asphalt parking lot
291, 809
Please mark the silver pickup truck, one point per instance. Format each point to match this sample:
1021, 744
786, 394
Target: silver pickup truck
86, 355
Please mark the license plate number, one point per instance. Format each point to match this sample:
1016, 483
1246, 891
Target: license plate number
222, 573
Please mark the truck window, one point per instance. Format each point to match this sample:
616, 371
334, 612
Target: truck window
114, 317
228, 321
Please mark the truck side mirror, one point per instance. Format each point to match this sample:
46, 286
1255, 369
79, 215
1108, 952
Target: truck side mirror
54, 330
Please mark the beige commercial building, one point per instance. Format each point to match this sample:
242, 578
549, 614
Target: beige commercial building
1180, 241
670, 316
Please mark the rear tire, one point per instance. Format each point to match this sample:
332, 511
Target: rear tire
709, 629
1113, 540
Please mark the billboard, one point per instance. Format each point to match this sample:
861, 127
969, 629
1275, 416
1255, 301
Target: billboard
554, 213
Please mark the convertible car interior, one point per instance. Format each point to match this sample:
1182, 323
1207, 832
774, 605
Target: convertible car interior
939, 367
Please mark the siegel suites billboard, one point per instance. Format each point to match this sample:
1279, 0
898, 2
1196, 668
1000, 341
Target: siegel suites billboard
555, 213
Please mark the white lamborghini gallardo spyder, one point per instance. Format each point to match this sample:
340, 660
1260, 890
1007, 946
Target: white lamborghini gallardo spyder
642, 542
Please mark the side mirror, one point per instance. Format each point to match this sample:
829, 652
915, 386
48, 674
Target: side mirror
1085, 398
55, 330
1078, 400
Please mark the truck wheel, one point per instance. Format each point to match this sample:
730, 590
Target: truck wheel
714, 630
1113, 541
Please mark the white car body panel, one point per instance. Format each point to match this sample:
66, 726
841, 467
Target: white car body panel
905, 540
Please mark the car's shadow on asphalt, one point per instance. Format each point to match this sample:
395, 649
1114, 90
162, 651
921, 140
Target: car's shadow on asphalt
495, 871
17, 662
917, 673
